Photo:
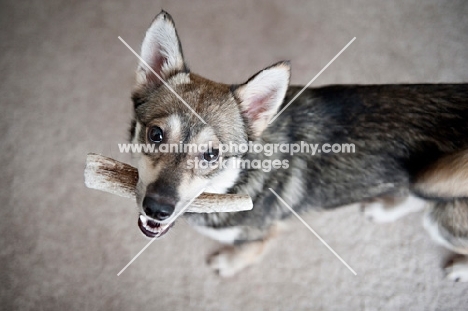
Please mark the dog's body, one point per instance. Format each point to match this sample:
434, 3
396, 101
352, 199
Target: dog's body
411, 150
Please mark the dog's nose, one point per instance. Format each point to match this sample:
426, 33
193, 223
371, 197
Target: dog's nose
157, 210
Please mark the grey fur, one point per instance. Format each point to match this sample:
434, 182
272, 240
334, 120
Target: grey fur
399, 131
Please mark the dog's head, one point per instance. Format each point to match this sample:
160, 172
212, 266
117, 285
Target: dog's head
176, 111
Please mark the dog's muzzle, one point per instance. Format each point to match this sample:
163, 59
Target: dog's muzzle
151, 228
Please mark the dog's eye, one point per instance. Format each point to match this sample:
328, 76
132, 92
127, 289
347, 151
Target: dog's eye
211, 155
155, 134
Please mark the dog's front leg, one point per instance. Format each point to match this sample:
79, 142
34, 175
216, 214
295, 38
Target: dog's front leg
245, 248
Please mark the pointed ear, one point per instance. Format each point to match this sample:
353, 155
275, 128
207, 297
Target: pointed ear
261, 96
161, 50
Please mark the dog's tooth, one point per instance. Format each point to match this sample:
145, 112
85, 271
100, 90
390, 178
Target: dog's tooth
143, 220
150, 229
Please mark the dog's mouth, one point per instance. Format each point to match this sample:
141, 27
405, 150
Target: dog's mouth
151, 228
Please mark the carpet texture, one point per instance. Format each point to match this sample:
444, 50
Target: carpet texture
65, 91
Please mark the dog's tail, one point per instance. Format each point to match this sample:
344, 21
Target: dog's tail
445, 179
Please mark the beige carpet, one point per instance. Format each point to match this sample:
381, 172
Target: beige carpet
65, 90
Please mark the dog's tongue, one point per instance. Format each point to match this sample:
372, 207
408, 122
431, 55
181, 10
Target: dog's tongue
151, 228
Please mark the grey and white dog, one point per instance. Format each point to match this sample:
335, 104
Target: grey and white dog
411, 151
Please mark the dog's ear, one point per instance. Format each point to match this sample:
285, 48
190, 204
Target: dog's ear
261, 96
161, 50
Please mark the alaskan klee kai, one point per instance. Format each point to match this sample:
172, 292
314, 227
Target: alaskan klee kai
411, 151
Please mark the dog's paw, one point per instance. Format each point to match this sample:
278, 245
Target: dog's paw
457, 269
385, 210
227, 261
377, 212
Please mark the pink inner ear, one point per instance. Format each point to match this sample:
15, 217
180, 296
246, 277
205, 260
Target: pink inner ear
258, 106
156, 64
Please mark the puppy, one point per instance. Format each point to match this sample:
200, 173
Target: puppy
398, 148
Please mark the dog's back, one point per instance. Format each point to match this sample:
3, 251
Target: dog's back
396, 130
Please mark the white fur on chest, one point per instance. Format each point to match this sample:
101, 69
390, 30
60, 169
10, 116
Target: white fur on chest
223, 235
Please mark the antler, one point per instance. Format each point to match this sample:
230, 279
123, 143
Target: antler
109, 175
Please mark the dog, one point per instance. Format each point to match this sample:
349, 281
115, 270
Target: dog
411, 151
